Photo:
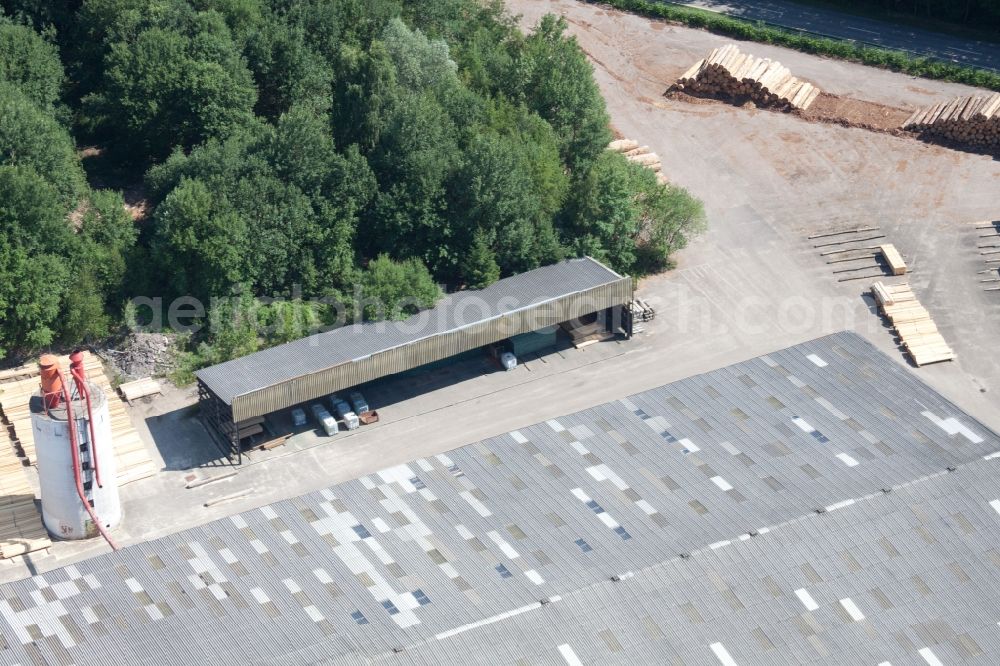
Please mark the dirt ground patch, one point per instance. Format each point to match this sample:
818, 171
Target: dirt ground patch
826, 109
855, 113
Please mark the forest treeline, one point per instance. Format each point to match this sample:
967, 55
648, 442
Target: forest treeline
295, 149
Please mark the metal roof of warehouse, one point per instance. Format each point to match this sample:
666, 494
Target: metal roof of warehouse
794, 508
325, 350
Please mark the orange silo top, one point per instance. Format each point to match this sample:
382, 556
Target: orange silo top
52, 385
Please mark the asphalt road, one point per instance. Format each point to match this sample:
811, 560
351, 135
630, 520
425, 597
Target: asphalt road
846, 26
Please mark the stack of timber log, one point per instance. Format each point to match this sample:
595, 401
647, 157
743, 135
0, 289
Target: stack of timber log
633, 152
131, 455
728, 73
972, 121
641, 310
916, 330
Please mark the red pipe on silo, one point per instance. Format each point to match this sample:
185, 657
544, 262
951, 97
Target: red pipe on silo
74, 443
80, 377
51, 380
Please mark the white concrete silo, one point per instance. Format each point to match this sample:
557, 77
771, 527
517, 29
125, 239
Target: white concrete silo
63, 511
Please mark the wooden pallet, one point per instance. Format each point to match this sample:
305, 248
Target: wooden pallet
893, 258
140, 388
917, 331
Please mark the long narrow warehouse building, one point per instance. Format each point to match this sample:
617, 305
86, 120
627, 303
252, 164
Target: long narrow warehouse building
238, 391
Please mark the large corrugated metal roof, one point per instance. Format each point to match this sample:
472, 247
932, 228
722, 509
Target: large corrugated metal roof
325, 350
742, 512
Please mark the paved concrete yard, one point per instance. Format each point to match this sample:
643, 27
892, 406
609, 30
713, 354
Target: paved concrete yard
752, 284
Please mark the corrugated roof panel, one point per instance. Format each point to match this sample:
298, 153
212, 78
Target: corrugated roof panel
326, 350
415, 549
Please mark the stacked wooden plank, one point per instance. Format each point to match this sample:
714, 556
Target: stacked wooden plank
973, 120
917, 331
633, 152
728, 73
21, 529
132, 457
584, 335
893, 258
140, 388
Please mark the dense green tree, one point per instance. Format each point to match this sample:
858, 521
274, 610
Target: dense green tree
200, 242
396, 289
32, 211
166, 87
294, 194
42, 14
626, 218
290, 143
558, 84
34, 243
421, 64
479, 265
365, 95
30, 63
287, 70
31, 287
495, 194
485, 48
416, 155
243, 17
32, 137
83, 315
57, 284
106, 237
670, 218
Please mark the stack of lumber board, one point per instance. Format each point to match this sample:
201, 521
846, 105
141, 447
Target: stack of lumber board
728, 73
140, 388
131, 455
893, 258
633, 152
972, 120
917, 331
21, 529
584, 335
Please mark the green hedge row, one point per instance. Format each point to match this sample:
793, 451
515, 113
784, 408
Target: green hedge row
759, 32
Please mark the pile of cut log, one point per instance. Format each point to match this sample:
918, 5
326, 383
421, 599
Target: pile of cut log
728, 73
972, 120
641, 310
917, 331
633, 152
